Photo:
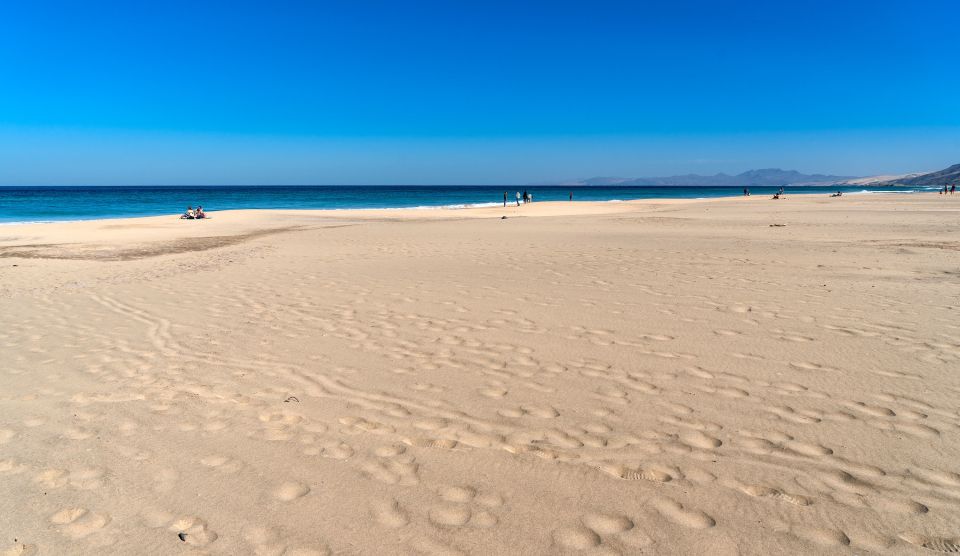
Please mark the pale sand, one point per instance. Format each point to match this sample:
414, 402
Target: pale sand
657, 377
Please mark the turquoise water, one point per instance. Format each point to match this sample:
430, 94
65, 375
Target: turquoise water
47, 204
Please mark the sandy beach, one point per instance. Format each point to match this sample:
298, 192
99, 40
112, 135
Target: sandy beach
725, 376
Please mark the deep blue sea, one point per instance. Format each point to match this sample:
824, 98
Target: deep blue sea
47, 204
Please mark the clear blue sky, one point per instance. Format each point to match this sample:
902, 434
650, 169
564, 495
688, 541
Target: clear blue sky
472, 92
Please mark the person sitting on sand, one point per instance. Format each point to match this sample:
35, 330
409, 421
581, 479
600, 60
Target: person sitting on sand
189, 215
776, 195
200, 213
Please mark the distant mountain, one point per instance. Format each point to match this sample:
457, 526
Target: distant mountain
943, 177
887, 179
750, 178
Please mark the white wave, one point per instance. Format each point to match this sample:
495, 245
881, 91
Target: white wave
25, 222
427, 207
877, 191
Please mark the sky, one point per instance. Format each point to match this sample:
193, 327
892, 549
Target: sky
451, 92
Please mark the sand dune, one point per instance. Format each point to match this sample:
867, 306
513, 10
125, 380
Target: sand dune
602, 378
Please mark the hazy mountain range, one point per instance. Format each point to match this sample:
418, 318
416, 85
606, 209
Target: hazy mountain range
776, 176
949, 175
766, 176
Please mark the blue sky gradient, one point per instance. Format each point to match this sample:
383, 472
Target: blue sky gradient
471, 92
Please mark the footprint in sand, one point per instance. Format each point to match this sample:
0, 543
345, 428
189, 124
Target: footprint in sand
388, 513
189, 529
938, 544
87, 478
392, 471
427, 442
222, 464
607, 524
52, 478
290, 490
681, 515
576, 538
594, 528
700, 440
269, 541
449, 515
463, 505
11, 466
331, 450
77, 523
264, 540
637, 473
20, 549
768, 492
820, 535
193, 531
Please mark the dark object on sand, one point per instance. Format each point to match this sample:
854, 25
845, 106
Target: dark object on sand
292, 398
777, 225
501, 218
183, 536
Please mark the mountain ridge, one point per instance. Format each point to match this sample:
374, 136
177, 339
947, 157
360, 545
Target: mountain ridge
949, 175
750, 178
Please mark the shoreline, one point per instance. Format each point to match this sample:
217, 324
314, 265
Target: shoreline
427, 211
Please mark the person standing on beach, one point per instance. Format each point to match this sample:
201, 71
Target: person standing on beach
571, 195
518, 198
504, 199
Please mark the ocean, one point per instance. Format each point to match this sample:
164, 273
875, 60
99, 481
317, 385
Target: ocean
59, 203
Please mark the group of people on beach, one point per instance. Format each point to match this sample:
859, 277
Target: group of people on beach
950, 191
193, 214
777, 195
527, 198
